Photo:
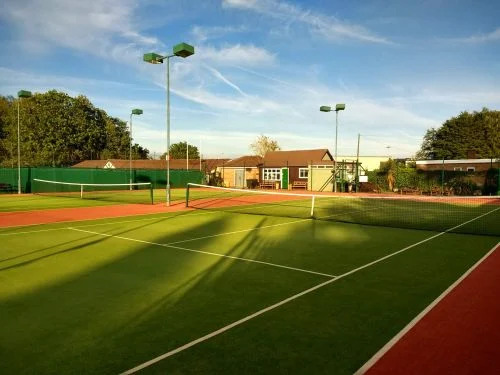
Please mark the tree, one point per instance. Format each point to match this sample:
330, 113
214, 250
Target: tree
426, 149
139, 152
178, 151
389, 168
59, 130
477, 132
263, 144
6, 121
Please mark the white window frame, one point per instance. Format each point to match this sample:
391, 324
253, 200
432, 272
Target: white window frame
301, 170
271, 174
457, 169
471, 169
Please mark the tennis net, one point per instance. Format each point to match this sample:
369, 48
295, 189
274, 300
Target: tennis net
471, 215
141, 192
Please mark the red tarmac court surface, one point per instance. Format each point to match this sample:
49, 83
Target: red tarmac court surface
460, 335
19, 218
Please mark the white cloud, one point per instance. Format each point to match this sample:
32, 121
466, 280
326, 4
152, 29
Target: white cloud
243, 55
202, 34
493, 36
101, 28
328, 27
219, 75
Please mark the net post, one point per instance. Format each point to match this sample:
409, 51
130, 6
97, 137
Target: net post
151, 193
312, 207
81, 191
187, 195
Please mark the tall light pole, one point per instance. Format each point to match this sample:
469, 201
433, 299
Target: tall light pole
21, 94
135, 111
182, 50
338, 107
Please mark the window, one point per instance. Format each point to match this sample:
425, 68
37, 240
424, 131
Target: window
471, 169
457, 169
271, 174
303, 172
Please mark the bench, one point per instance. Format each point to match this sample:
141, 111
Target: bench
407, 190
435, 190
267, 185
299, 185
7, 188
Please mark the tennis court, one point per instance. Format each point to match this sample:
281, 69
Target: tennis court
234, 284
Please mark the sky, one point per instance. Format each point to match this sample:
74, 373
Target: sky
262, 67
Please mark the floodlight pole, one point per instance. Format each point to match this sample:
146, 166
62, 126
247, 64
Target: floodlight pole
20, 94
134, 112
130, 153
168, 130
338, 107
182, 50
18, 150
335, 159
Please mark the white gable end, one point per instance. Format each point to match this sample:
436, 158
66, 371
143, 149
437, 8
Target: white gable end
109, 165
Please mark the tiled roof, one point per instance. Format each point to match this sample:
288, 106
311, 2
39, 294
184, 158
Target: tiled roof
244, 161
207, 164
296, 158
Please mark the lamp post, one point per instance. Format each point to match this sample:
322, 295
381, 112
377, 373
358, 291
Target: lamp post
21, 94
135, 111
182, 50
338, 107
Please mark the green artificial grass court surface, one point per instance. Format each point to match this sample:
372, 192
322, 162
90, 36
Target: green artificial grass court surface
72, 301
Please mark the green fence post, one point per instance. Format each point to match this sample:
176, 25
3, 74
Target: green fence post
498, 182
187, 195
442, 178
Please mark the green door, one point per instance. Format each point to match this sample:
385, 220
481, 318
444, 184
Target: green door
284, 178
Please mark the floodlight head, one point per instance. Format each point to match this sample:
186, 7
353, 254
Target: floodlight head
183, 50
340, 107
153, 58
137, 111
325, 108
24, 94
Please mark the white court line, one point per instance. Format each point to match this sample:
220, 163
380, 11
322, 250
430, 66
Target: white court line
295, 296
239, 231
363, 369
168, 215
205, 252
266, 226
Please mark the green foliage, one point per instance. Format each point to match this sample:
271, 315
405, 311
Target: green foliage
477, 132
427, 149
491, 185
178, 151
59, 130
460, 183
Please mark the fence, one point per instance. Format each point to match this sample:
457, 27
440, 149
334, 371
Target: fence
438, 182
158, 177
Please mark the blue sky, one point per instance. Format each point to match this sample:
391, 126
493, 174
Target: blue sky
262, 67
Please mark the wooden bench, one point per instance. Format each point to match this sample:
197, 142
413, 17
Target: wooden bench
407, 190
267, 185
434, 190
7, 188
299, 185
